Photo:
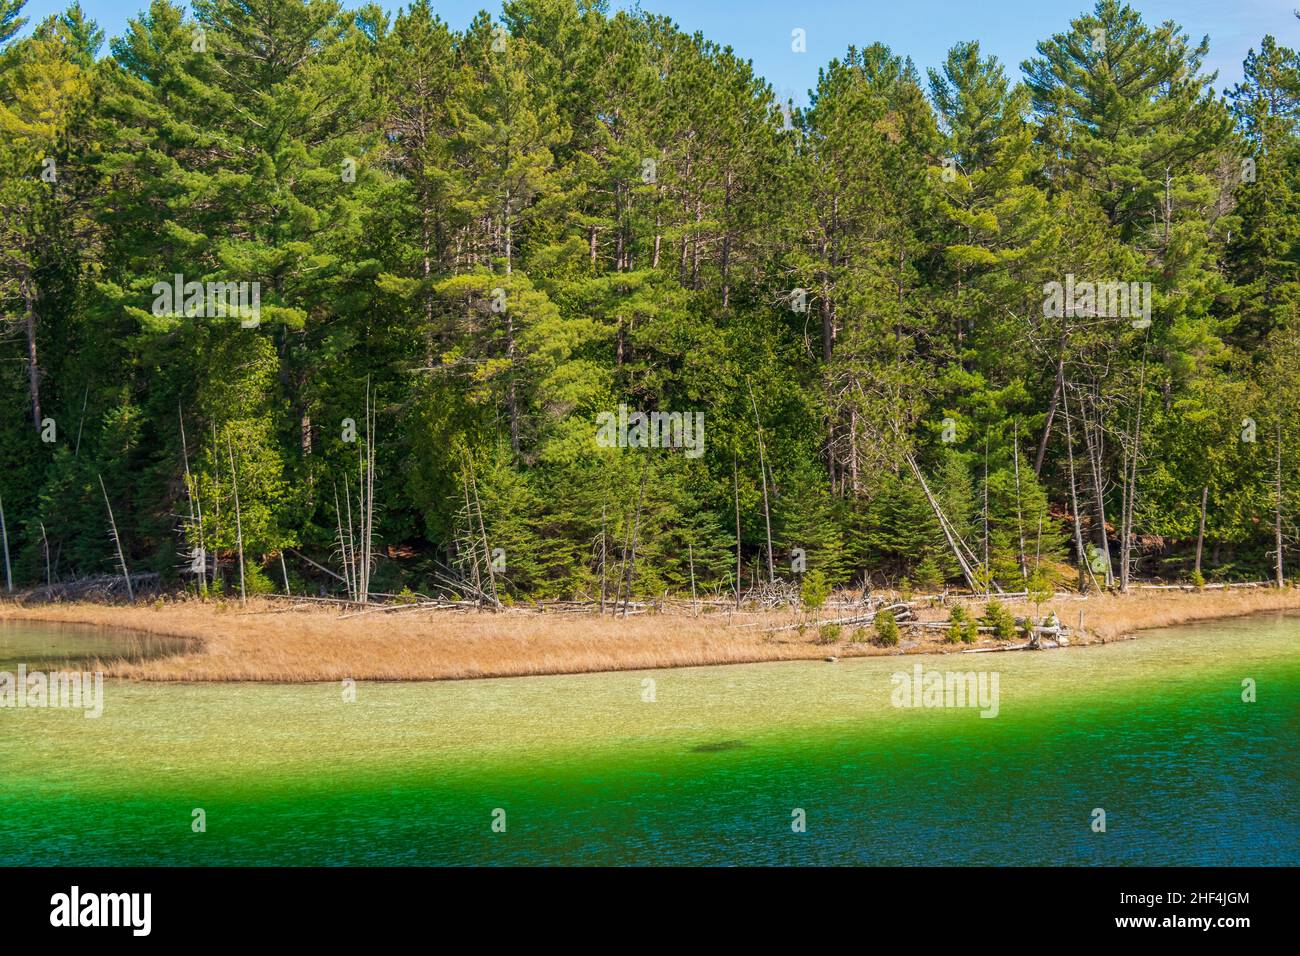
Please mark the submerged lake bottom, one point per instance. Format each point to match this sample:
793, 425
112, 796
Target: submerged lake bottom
1180, 747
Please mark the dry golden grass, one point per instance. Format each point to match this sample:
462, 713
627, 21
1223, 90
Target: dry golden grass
1111, 616
267, 642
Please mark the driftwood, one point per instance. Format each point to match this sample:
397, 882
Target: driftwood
390, 608
100, 585
997, 650
772, 594
901, 611
1206, 587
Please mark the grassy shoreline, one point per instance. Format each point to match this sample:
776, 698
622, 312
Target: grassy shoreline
269, 641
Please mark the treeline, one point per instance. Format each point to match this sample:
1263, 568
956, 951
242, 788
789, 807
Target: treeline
950, 327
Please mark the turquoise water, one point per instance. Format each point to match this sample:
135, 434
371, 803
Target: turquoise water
709, 768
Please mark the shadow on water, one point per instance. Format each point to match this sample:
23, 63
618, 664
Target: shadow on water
42, 646
717, 746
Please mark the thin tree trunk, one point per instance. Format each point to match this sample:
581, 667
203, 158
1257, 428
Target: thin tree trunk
988, 571
695, 245
726, 241
343, 544
4, 533
239, 522
33, 368
353, 580
854, 481
622, 570
1126, 546
1277, 516
49, 580
426, 243
85, 395
1038, 541
1020, 518
636, 530
472, 545
1074, 498
370, 496
1200, 531
1051, 413
482, 528
512, 392
196, 509
363, 458
117, 541
735, 478
216, 517
1093, 447
690, 556
828, 346
948, 533
762, 465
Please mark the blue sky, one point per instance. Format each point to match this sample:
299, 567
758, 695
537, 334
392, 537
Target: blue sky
759, 30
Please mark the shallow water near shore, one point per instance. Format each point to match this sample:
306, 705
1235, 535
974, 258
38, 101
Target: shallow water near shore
64, 646
694, 766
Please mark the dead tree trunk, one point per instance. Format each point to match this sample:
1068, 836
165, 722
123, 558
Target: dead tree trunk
1093, 446
4, 533
45, 542
343, 542
482, 529
1074, 498
1126, 545
198, 557
949, 534
117, 541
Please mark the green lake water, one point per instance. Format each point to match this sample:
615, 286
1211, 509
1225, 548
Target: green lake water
588, 771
